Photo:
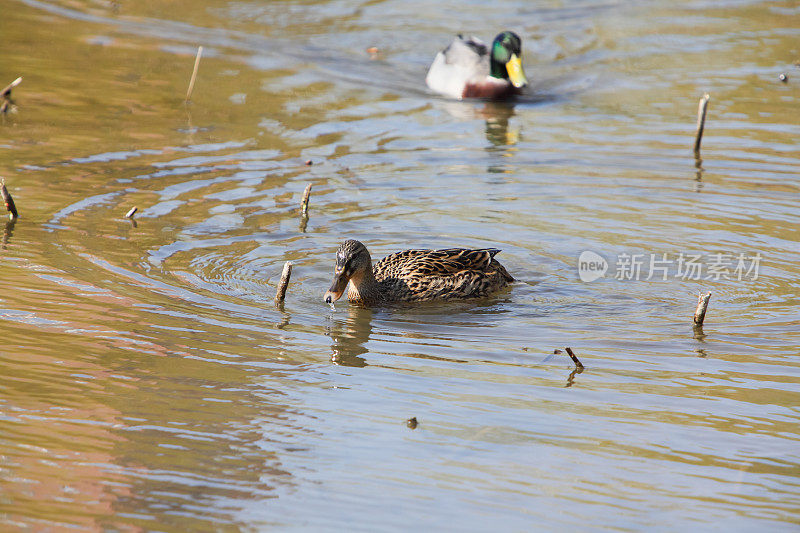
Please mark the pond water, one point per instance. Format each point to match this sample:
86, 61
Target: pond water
150, 382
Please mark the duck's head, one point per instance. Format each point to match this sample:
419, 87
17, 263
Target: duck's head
506, 59
352, 263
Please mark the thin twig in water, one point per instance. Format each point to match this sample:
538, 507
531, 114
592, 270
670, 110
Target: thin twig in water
304, 202
6, 92
194, 73
701, 122
132, 212
702, 306
284, 282
12, 209
7, 103
574, 358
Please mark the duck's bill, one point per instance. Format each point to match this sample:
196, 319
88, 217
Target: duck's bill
515, 72
337, 288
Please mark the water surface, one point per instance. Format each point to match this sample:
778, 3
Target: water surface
149, 381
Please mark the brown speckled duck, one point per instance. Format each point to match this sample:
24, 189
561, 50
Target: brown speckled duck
415, 275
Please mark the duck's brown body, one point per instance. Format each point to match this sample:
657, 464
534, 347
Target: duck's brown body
415, 275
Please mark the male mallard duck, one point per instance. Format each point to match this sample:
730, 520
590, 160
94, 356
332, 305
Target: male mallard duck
415, 275
467, 69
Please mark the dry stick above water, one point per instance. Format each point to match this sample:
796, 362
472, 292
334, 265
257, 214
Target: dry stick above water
132, 212
284, 282
702, 306
12, 209
6, 92
574, 358
5, 95
701, 122
304, 202
194, 73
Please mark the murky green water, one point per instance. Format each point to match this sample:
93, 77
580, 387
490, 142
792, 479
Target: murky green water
149, 382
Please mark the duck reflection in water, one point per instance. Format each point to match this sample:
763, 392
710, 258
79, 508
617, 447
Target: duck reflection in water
496, 115
349, 336
502, 135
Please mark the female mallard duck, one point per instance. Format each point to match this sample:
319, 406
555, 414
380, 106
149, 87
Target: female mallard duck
415, 275
467, 69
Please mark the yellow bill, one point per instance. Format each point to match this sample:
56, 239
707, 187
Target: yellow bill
515, 72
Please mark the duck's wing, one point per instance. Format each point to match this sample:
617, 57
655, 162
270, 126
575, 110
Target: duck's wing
436, 263
466, 51
464, 60
452, 260
417, 275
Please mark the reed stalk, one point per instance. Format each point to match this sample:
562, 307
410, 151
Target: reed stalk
194, 73
702, 307
701, 122
280, 295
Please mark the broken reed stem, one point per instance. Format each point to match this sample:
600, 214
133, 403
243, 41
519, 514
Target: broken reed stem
6, 92
702, 306
304, 202
194, 73
574, 358
701, 122
132, 212
284, 282
12, 209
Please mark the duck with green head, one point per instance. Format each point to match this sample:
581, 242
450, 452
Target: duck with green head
468, 69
